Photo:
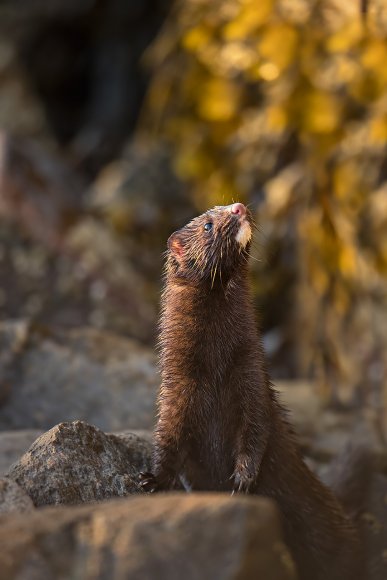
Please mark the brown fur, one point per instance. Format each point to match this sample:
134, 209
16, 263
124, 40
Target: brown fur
220, 425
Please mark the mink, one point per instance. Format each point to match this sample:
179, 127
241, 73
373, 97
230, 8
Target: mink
220, 424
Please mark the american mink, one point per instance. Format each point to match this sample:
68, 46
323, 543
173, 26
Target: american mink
220, 425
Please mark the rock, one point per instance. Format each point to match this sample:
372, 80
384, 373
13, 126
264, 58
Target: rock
126, 436
13, 444
13, 498
37, 190
122, 295
85, 374
323, 431
77, 463
92, 279
141, 193
168, 537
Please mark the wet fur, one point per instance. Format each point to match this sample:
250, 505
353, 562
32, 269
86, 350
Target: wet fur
220, 425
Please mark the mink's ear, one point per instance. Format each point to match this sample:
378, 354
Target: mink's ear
175, 245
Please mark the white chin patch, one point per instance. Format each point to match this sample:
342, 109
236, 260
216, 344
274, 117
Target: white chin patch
244, 234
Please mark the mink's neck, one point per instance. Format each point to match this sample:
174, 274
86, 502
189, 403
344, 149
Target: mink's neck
210, 304
204, 327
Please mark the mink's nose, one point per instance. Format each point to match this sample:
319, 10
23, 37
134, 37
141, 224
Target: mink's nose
238, 209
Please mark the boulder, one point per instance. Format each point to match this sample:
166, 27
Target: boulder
13, 498
168, 537
77, 463
47, 377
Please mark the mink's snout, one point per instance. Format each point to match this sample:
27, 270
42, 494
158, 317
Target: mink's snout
238, 209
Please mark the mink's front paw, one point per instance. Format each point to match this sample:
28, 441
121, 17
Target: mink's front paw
152, 483
149, 482
243, 476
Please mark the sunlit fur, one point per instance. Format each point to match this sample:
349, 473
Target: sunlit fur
243, 237
220, 425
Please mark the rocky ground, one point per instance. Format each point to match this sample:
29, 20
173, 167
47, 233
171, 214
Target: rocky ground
86, 206
77, 410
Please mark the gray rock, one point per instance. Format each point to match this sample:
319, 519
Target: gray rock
13, 498
13, 444
77, 463
143, 191
168, 537
38, 191
84, 374
122, 295
324, 432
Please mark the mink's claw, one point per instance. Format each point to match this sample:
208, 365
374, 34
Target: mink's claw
243, 479
148, 482
240, 486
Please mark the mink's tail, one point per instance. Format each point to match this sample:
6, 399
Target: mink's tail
362, 492
350, 477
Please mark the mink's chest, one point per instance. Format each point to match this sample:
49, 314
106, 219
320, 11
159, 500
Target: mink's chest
213, 434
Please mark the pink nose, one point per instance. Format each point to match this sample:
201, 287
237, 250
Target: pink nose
238, 208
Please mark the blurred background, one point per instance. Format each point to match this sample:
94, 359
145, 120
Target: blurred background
122, 119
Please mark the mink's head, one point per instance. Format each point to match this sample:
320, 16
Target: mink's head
213, 246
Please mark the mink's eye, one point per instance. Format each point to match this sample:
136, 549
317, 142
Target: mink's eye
208, 226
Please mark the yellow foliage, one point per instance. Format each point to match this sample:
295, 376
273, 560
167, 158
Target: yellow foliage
295, 11
341, 300
251, 16
289, 98
378, 130
347, 260
318, 277
268, 71
191, 163
236, 56
278, 44
218, 190
277, 118
320, 112
196, 38
347, 38
346, 179
374, 57
219, 100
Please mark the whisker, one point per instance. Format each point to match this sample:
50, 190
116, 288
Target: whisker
253, 257
213, 276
